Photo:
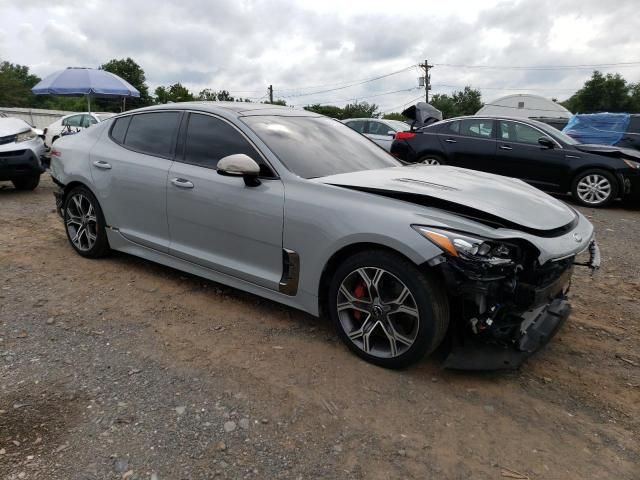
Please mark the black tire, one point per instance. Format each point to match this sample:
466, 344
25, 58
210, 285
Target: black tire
594, 173
100, 247
430, 158
26, 183
428, 296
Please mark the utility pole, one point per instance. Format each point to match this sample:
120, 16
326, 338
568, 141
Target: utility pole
270, 93
427, 79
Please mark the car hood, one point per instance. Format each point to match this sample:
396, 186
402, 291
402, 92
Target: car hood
11, 126
609, 150
490, 199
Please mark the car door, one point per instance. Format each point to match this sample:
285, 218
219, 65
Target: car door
217, 221
130, 170
469, 143
520, 155
379, 133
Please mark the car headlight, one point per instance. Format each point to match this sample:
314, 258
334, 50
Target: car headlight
468, 247
26, 136
631, 163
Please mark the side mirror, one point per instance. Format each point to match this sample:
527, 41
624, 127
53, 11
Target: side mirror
546, 142
240, 165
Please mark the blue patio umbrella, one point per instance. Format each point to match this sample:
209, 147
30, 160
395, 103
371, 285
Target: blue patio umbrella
90, 82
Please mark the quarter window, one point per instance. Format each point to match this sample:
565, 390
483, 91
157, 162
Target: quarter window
209, 139
119, 128
153, 133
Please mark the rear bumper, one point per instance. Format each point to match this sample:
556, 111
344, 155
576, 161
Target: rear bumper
19, 163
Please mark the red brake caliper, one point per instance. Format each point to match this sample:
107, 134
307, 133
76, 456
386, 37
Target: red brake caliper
359, 292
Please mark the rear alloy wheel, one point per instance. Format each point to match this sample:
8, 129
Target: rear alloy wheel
26, 183
595, 188
386, 310
84, 223
430, 160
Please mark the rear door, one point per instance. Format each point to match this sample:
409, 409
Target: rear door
217, 221
519, 155
129, 171
469, 143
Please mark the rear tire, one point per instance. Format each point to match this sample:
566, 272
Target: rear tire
594, 188
26, 183
85, 224
382, 329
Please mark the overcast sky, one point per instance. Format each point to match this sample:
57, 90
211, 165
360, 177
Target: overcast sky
304, 47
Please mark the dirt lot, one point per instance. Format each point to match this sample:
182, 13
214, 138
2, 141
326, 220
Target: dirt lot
120, 368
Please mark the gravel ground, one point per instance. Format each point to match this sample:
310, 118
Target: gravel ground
122, 369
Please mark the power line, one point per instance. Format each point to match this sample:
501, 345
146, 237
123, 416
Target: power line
402, 105
542, 67
365, 96
507, 88
350, 85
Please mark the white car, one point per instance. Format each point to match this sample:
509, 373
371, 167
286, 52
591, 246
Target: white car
72, 123
21, 149
380, 131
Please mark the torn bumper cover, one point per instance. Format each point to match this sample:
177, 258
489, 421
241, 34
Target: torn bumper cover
500, 322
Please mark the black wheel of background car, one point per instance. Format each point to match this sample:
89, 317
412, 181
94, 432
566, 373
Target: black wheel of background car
594, 188
84, 223
26, 183
431, 160
386, 310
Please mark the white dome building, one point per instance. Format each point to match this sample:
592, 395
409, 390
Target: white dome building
525, 105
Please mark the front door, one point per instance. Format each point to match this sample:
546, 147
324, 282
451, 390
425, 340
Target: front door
380, 133
217, 221
469, 143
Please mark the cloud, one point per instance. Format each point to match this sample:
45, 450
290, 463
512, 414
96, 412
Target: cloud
301, 47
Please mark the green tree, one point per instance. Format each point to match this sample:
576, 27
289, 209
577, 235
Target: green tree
174, 93
395, 116
360, 110
15, 85
603, 93
328, 110
133, 73
465, 102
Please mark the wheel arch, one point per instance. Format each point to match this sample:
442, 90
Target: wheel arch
606, 168
79, 183
345, 252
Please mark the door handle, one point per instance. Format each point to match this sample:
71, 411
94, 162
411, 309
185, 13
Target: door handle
102, 164
451, 140
182, 183
505, 147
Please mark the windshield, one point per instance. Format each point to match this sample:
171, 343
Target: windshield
314, 147
557, 134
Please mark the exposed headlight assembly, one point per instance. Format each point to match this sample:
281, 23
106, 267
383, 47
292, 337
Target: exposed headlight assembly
467, 247
631, 163
26, 136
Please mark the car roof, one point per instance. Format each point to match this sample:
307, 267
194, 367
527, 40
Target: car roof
492, 117
237, 108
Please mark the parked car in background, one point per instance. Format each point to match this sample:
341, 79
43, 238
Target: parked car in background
72, 123
618, 129
398, 256
529, 150
21, 149
379, 130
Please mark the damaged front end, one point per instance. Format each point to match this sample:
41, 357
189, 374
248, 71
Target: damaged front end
505, 305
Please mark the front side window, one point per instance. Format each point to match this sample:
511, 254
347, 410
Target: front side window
519, 132
73, 121
477, 128
209, 139
314, 147
153, 133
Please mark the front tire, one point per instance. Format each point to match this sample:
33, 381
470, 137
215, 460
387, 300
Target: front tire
386, 310
84, 223
594, 188
26, 183
431, 160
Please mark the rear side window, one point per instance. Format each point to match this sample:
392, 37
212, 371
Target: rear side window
357, 125
119, 129
477, 128
452, 127
209, 139
153, 133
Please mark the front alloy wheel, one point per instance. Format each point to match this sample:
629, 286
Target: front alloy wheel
386, 309
595, 188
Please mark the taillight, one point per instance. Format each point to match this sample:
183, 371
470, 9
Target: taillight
404, 135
